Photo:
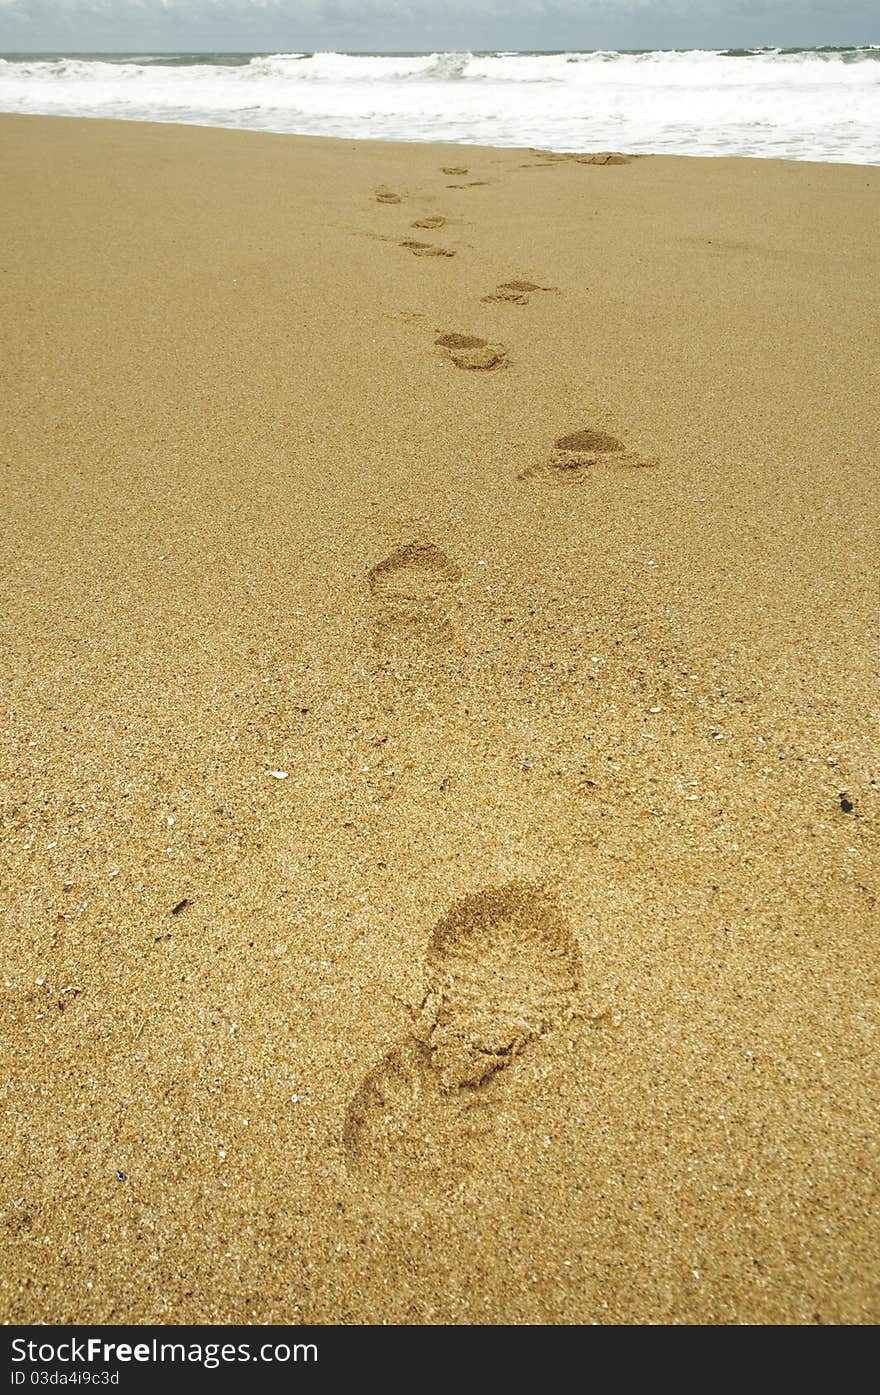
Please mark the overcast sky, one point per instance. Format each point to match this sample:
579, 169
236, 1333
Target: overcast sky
400, 25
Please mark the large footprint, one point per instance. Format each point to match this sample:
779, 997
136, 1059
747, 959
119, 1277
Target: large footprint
503, 971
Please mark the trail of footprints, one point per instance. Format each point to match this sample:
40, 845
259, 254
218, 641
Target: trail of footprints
466, 351
503, 971
503, 968
414, 590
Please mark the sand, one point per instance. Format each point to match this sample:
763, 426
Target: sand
439, 780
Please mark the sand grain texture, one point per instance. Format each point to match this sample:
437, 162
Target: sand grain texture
429, 895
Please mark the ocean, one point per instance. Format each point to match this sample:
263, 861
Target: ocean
794, 104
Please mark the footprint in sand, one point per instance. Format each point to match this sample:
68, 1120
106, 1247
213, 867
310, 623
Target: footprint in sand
515, 292
407, 317
454, 169
503, 971
436, 220
386, 196
550, 158
574, 457
425, 249
467, 351
414, 591
604, 157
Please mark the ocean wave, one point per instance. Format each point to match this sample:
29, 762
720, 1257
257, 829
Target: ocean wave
653, 65
797, 104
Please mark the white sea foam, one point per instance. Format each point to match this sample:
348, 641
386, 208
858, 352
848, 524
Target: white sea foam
809, 104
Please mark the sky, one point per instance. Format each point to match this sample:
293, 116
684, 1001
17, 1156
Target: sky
426, 25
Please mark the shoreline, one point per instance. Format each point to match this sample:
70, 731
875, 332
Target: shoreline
428, 144
440, 810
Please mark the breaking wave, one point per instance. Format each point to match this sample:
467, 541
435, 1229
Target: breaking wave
811, 104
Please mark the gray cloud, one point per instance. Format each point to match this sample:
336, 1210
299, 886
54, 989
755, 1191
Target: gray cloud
389, 25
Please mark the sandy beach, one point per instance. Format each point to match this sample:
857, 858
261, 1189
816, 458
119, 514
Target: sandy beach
438, 756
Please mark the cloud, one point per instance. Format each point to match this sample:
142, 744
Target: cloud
426, 24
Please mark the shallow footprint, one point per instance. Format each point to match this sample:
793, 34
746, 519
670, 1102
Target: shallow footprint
588, 443
436, 220
425, 249
414, 590
407, 317
386, 196
604, 157
550, 158
575, 455
460, 341
469, 352
503, 970
454, 169
401, 1134
515, 292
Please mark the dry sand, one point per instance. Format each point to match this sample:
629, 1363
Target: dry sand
542, 986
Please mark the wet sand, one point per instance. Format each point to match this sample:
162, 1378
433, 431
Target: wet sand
438, 764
